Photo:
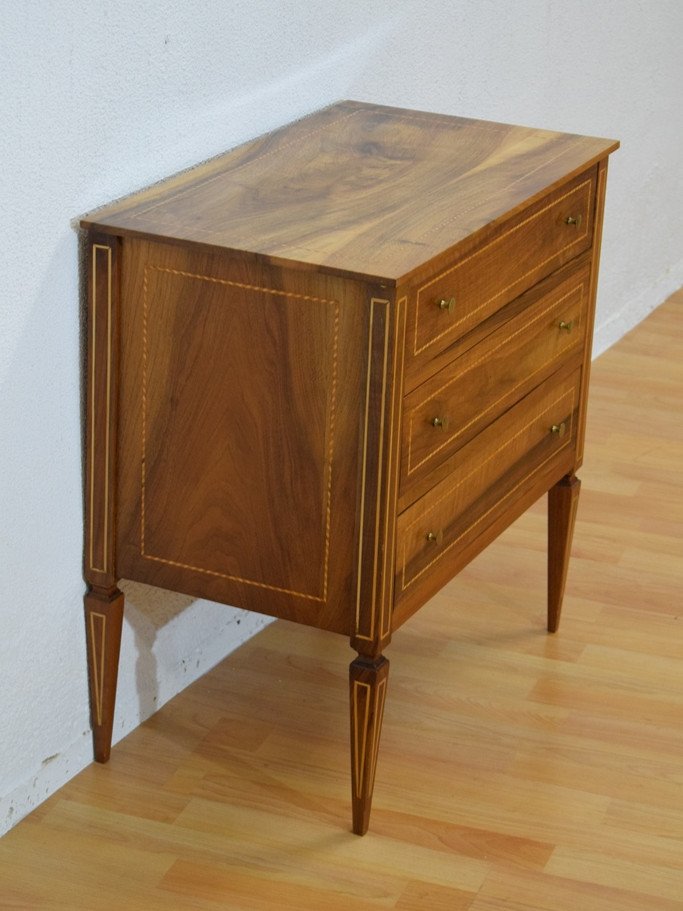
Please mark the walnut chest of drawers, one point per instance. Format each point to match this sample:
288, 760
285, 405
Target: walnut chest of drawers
326, 369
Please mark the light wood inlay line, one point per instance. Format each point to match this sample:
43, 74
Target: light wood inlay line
98, 652
363, 478
380, 697
224, 281
462, 428
330, 449
520, 278
93, 396
390, 533
360, 743
143, 454
212, 572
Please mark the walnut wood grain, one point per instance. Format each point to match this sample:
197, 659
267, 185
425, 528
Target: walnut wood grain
506, 464
479, 281
242, 447
330, 190
454, 405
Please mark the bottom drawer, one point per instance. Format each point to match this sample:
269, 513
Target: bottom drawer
498, 469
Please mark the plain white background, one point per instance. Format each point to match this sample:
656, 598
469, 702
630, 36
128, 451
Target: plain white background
98, 99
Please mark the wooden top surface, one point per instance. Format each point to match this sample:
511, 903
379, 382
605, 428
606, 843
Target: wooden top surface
357, 188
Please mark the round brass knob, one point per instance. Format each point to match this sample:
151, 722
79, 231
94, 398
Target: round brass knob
446, 303
559, 429
434, 537
573, 220
567, 326
440, 423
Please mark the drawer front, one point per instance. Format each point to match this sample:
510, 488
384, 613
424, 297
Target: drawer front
454, 405
492, 471
521, 252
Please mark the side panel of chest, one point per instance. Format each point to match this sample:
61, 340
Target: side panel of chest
241, 390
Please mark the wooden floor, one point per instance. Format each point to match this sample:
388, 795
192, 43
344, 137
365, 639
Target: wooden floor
517, 770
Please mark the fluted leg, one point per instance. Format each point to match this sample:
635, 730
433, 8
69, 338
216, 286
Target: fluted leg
103, 619
368, 688
563, 500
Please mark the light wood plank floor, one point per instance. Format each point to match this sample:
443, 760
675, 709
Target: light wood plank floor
517, 771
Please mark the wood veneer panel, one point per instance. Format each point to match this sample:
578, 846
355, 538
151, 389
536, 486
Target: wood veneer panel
241, 389
478, 387
329, 190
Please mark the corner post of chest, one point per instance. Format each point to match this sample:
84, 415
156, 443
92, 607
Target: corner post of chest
592, 296
103, 601
376, 534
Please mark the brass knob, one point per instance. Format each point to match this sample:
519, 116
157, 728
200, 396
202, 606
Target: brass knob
441, 423
559, 429
573, 220
446, 303
435, 538
567, 326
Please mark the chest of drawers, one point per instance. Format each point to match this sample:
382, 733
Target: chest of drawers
326, 369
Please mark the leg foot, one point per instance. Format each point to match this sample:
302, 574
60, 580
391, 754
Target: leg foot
368, 687
563, 499
103, 619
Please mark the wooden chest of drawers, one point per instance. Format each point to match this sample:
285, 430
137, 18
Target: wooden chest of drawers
326, 369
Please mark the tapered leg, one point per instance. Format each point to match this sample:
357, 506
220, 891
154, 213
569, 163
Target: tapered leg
368, 688
103, 619
563, 499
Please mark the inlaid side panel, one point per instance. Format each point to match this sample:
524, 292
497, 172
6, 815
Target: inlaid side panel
241, 390
239, 383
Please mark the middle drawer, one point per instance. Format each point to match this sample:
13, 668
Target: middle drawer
461, 399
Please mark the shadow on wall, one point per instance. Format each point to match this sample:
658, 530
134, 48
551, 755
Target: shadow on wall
147, 610
332, 76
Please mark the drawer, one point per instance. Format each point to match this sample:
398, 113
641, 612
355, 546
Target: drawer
521, 252
461, 399
494, 469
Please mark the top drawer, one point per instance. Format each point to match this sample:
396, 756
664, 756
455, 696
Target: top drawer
521, 251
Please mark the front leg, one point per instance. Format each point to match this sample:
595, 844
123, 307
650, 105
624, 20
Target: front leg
368, 688
103, 600
103, 620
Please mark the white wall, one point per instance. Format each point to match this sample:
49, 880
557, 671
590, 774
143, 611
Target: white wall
100, 98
